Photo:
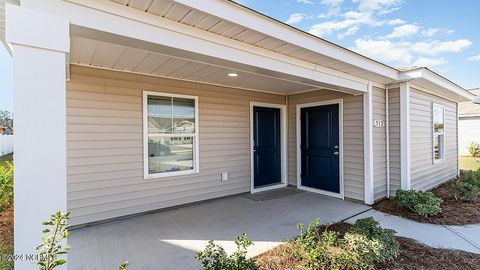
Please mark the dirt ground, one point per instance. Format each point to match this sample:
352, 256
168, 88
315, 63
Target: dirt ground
453, 212
413, 255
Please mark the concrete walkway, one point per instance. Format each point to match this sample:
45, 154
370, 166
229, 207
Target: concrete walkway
169, 240
465, 238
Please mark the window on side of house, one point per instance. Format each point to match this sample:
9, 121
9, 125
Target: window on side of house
170, 130
438, 119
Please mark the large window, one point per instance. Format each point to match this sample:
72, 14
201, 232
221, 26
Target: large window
170, 134
438, 133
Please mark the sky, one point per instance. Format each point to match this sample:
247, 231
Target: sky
440, 34
443, 35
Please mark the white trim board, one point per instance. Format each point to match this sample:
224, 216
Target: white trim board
283, 143
368, 145
340, 195
405, 136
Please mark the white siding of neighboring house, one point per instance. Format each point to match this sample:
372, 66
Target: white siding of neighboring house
379, 145
105, 144
394, 130
424, 174
352, 138
469, 131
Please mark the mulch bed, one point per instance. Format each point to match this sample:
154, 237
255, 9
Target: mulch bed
453, 212
6, 227
413, 255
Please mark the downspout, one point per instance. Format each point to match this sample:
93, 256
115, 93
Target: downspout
458, 146
387, 139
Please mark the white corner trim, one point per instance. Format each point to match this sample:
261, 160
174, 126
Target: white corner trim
283, 143
45, 31
405, 136
368, 145
299, 107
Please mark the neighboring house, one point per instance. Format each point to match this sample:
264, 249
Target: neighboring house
469, 123
154, 104
5, 131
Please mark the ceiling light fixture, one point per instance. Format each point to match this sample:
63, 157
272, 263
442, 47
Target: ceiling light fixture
232, 74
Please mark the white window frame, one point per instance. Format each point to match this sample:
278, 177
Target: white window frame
435, 161
196, 155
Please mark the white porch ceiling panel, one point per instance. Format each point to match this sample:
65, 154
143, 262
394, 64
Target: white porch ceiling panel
198, 19
101, 54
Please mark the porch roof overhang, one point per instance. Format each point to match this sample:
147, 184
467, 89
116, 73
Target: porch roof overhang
204, 40
428, 79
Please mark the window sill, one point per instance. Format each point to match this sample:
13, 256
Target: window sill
170, 174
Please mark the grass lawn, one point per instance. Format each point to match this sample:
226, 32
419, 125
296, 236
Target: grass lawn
468, 163
6, 227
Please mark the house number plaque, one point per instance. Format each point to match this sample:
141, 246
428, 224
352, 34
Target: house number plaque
379, 123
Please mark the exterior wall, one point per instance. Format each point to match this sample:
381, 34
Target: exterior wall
468, 132
105, 144
379, 145
425, 174
394, 132
352, 138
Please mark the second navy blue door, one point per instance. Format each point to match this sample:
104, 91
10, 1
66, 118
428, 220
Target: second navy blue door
266, 146
319, 148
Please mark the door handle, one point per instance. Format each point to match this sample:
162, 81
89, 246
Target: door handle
335, 153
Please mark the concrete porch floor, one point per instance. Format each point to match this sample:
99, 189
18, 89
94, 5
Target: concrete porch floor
168, 240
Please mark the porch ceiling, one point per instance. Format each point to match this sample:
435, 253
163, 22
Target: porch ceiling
201, 20
101, 54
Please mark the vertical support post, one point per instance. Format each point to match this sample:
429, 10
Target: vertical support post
368, 144
405, 136
40, 43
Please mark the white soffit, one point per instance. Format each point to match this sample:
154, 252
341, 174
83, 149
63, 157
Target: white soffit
101, 54
203, 20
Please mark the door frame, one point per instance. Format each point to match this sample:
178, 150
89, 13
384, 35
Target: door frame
340, 195
283, 145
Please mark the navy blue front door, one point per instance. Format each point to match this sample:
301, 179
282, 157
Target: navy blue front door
267, 146
320, 148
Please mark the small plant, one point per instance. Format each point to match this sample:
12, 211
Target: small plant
465, 191
51, 249
214, 257
474, 150
472, 177
6, 185
388, 245
424, 203
123, 266
363, 245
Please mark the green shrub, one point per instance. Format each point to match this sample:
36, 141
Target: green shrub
214, 257
389, 247
424, 203
465, 191
472, 177
365, 244
6, 185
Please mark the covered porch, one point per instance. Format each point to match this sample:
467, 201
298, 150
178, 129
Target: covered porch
169, 239
92, 77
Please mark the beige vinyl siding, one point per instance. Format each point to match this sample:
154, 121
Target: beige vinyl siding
468, 132
425, 174
105, 144
352, 138
394, 139
379, 145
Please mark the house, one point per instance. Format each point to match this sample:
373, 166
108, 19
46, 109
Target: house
469, 123
154, 104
